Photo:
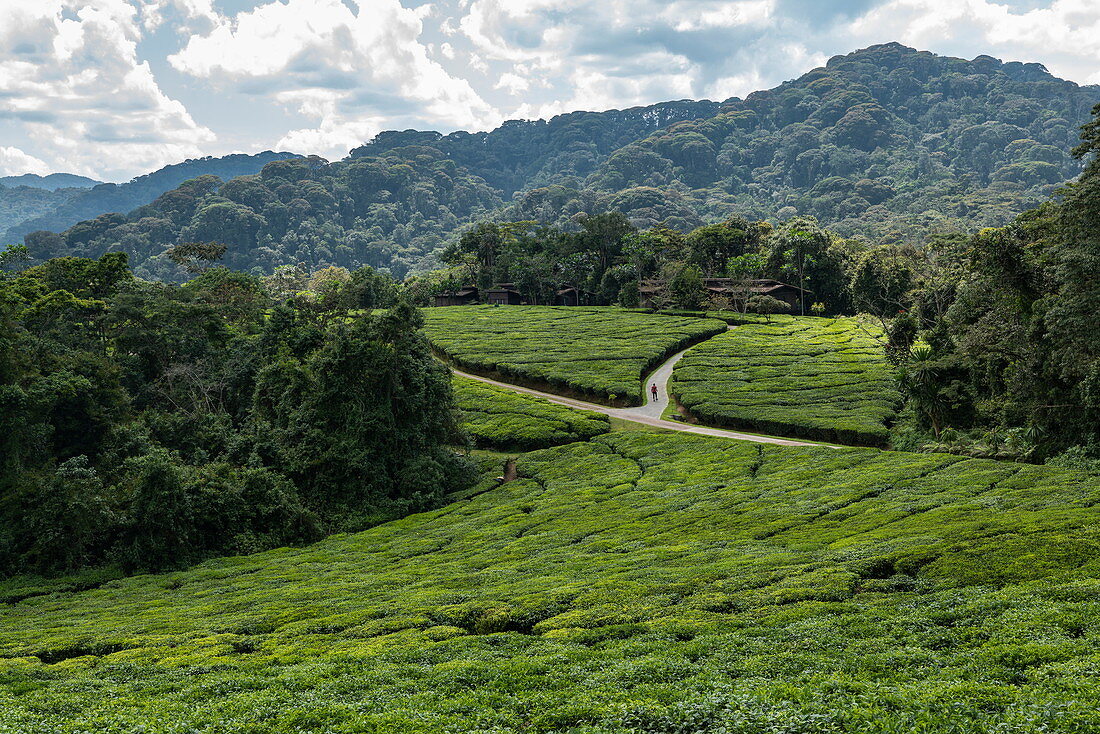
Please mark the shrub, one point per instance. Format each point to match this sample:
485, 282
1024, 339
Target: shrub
823, 379
496, 417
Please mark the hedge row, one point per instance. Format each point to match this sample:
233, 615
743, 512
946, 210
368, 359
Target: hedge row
496, 417
599, 353
817, 378
635, 583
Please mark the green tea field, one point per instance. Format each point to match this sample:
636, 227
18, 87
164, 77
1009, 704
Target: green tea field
496, 417
822, 379
599, 353
634, 583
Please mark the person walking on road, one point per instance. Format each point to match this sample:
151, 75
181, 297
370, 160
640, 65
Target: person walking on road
653, 391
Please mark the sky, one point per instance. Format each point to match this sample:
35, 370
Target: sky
115, 88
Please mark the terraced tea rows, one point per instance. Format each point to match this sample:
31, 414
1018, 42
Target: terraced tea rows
495, 417
822, 379
635, 583
599, 353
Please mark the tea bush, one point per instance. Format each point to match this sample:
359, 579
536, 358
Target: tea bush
635, 583
823, 379
496, 417
601, 353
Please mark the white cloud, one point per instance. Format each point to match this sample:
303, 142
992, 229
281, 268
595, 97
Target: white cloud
620, 53
71, 81
512, 83
77, 91
1064, 36
14, 162
154, 12
688, 16
351, 70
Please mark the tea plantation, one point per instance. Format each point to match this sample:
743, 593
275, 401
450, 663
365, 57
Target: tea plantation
823, 379
601, 354
633, 583
496, 417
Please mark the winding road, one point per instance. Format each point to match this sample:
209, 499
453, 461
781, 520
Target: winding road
650, 413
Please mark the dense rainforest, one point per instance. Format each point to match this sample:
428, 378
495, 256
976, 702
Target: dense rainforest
149, 425
20, 202
999, 331
30, 204
884, 143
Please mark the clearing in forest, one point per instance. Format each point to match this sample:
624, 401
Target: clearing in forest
817, 378
635, 583
600, 353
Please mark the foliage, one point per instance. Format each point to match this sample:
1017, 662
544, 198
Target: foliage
1007, 325
686, 288
58, 210
767, 305
824, 379
497, 417
637, 583
886, 143
597, 352
150, 426
806, 255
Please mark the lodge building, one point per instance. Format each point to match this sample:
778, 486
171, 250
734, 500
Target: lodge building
738, 291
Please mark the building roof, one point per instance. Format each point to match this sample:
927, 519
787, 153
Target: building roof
762, 286
467, 292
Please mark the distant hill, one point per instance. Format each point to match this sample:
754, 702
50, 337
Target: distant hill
521, 154
887, 143
20, 203
53, 181
123, 198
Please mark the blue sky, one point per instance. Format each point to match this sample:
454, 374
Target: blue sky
115, 88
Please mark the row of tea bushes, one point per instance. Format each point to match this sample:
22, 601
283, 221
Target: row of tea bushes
598, 353
496, 417
635, 583
817, 378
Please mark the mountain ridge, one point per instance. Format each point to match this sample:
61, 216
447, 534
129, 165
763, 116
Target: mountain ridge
104, 198
885, 143
51, 181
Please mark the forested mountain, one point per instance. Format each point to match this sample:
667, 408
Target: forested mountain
885, 143
52, 182
521, 154
19, 203
105, 198
387, 205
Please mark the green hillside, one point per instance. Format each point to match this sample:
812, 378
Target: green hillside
825, 379
599, 353
637, 583
497, 417
68, 207
886, 142
20, 202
